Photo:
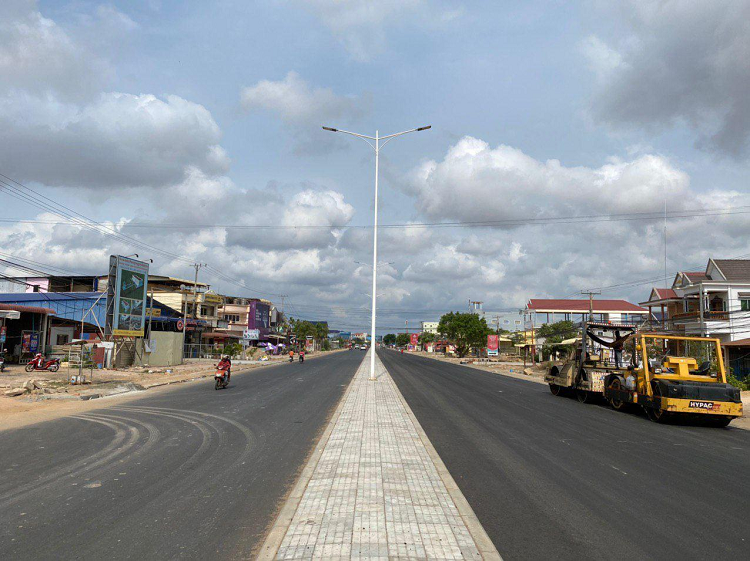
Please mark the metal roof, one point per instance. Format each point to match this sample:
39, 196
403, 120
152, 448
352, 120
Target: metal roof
582, 306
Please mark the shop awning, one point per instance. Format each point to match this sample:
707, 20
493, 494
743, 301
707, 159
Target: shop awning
25, 309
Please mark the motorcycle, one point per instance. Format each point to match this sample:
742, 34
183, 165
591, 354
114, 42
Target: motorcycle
2, 361
291, 358
222, 378
302, 358
39, 363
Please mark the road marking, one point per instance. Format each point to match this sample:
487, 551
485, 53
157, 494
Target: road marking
618, 469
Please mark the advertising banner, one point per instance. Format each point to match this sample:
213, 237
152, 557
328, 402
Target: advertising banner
259, 318
492, 345
131, 286
309, 343
414, 339
2, 334
30, 342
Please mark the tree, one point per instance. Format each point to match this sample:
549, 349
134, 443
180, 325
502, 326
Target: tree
554, 333
389, 339
426, 337
464, 330
402, 339
561, 329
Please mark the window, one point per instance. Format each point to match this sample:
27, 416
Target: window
745, 304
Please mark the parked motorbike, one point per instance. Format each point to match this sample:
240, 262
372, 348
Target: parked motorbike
222, 378
2, 361
40, 363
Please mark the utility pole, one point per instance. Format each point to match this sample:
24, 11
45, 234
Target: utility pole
591, 294
197, 267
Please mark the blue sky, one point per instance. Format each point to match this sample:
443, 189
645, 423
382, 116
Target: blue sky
539, 109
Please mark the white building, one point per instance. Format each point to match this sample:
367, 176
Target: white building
714, 303
430, 327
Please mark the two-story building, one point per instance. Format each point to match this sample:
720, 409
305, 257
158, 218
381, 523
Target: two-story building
712, 303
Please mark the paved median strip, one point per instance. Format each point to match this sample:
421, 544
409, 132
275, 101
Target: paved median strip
376, 488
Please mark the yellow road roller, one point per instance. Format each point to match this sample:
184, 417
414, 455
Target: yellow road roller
674, 376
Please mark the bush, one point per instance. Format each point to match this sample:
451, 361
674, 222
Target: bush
232, 349
326, 345
743, 385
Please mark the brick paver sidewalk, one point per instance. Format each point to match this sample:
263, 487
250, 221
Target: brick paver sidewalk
376, 492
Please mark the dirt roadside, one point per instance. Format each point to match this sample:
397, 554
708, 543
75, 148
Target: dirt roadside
536, 374
109, 387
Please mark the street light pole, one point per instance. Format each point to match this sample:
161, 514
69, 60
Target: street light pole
376, 147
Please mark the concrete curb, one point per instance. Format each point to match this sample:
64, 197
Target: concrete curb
483, 542
279, 529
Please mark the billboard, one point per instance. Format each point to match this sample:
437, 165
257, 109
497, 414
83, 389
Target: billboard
130, 290
414, 339
259, 318
492, 345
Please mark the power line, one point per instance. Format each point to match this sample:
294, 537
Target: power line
567, 219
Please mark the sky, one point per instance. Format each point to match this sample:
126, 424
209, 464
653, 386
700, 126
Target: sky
190, 131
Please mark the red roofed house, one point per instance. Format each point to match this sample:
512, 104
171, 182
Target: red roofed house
614, 311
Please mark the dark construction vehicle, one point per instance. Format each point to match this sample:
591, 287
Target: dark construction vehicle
598, 353
669, 376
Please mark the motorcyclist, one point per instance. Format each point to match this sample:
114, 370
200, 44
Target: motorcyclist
301, 355
291, 355
225, 364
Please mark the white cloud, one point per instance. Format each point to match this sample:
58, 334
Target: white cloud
475, 182
677, 62
297, 103
360, 25
39, 57
58, 126
117, 140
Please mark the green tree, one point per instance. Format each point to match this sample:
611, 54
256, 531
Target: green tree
560, 329
464, 330
425, 338
326, 346
389, 339
555, 333
402, 339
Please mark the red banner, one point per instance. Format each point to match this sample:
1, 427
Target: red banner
492, 343
415, 339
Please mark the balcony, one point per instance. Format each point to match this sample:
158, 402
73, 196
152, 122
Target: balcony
708, 315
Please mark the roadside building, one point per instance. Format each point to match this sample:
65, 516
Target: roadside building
711, 303
251, 320
430, 327
614, 311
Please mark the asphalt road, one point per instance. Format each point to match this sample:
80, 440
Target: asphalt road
188, 473
551, 478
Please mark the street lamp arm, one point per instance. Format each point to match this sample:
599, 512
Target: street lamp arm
362, 136
392, 136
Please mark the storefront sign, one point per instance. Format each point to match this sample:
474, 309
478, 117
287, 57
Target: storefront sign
251, 334
153, 312
180, 325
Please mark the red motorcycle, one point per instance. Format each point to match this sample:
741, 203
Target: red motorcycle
223, 371
40, 363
